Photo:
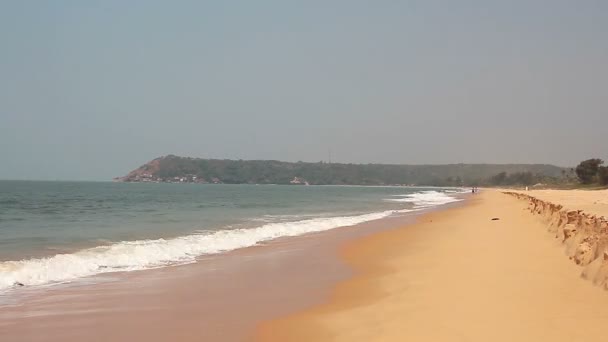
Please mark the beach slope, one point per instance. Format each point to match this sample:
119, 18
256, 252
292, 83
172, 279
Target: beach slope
456, 275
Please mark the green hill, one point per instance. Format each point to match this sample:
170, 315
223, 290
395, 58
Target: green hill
195, 170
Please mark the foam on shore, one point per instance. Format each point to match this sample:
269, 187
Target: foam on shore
427, 199
146, 254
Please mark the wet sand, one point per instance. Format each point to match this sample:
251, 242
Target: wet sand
456, 275
220, 298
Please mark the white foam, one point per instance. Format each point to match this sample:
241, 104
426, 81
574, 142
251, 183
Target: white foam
146, 254
425, 199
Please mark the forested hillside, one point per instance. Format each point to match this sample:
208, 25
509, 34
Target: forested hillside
194, 170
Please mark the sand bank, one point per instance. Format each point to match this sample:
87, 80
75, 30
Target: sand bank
457, 275
594, 202
584, 233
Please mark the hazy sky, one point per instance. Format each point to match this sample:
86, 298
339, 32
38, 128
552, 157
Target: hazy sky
93, 89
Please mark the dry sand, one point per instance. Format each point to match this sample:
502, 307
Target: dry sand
459, 276
590, 201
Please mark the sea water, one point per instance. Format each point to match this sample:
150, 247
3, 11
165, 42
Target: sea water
57, 232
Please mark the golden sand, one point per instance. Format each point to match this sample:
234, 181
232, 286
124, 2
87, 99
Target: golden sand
593, 202
458, 275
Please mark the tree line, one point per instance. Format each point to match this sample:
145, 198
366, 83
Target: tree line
588, 172
592, 171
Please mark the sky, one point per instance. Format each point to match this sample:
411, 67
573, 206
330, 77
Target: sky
92, 89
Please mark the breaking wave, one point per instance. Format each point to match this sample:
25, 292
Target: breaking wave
146, 254
426, 199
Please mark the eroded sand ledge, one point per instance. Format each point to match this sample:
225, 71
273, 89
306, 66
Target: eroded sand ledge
585, 236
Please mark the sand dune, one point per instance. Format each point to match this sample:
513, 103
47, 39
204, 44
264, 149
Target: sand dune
458, 275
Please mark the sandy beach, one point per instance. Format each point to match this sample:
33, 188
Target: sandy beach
492, 268
459, 275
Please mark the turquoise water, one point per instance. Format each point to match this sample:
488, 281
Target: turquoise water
60, 231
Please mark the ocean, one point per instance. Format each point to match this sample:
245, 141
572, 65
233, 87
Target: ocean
59, 232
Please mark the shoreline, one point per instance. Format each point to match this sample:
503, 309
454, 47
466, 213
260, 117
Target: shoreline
455, 275
199, 300
65, 259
